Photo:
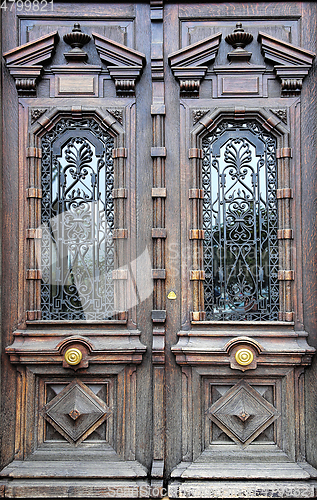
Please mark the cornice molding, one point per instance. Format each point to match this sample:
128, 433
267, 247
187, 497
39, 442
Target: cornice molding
25, 62
189, 64
291, 63
124, 64
285, 53
114, 344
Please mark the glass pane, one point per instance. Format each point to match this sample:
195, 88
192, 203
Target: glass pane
240, 223
77, 256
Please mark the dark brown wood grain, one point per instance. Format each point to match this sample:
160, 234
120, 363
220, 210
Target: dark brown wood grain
159, 77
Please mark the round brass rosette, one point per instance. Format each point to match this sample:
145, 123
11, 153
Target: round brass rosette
244, 356
73, 356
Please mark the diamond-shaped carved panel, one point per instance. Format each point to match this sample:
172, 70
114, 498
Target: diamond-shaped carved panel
76, 412
242, 413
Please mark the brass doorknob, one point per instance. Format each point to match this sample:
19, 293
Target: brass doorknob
244, 356
73, 356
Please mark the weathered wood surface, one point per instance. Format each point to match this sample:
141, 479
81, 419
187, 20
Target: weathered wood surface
142, 87
72, 468
240, 489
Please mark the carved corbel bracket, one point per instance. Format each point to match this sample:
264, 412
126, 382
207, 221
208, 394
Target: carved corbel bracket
24, 62
291, 79
189, 64
125, 65
292, 63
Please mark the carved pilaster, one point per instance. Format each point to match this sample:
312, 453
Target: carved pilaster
284, 196
196, 235
34, 234
120, 233
158, 154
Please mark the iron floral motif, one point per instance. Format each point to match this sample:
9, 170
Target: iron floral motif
240, 222
77, 255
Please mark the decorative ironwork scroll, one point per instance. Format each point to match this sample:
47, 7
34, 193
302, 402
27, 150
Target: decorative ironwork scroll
240, 220
77, 255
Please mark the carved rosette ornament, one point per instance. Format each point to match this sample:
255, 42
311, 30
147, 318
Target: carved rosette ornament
76, 39
280, 113
238, 40
198, 114
36, 113
117, 114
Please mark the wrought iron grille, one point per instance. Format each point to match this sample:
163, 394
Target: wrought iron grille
77, 254
240, 220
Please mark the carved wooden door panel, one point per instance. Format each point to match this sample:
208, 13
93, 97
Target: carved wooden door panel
158, 259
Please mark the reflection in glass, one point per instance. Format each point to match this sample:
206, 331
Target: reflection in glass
240, 223
77, 222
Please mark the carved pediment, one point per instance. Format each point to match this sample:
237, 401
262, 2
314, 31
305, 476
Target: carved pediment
291, 63
283, 52
25, 62
189, 64
125, 65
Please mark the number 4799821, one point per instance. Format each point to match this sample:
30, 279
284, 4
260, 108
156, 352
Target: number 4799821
28, 5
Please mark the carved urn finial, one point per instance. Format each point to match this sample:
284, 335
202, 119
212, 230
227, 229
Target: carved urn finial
238, 40
76, 39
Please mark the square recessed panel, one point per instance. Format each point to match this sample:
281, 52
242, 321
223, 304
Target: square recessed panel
242, 413
76, 412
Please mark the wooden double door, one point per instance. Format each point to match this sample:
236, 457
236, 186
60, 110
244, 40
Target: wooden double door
158, 249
